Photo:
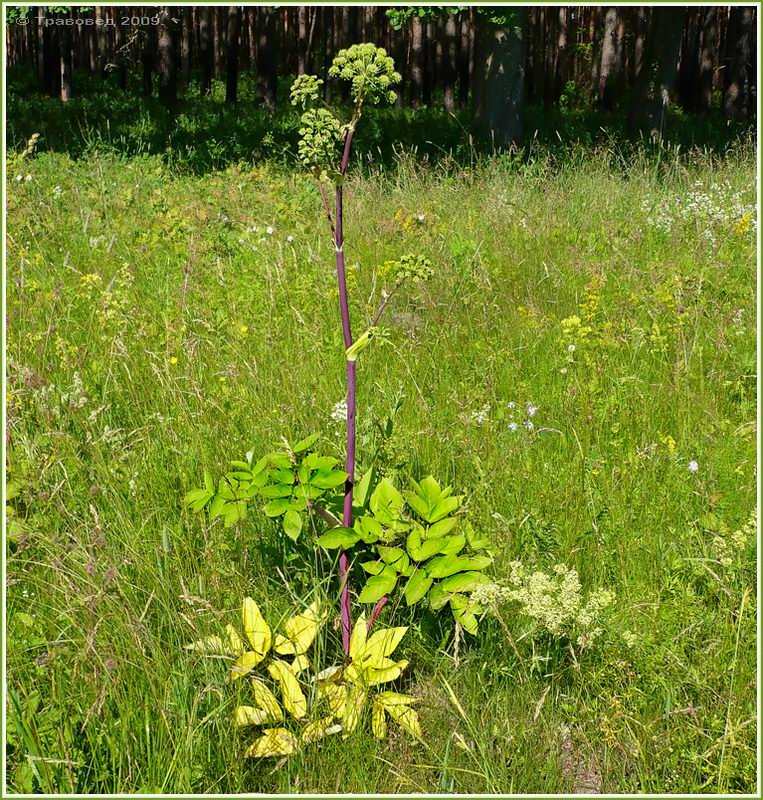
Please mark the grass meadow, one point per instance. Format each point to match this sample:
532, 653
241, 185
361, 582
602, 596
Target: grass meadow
582, 365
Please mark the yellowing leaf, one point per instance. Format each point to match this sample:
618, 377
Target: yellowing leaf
388, 673
255, 628
336, 695
320, 728
266, 700
356, 699
293, 699
213, 644
300, 664
249, 715
398, 706
381, 645
358, 637
378, 720
300, 632
245, 663
274, 742
237, 645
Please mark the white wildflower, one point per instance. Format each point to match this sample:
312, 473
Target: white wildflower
340, 411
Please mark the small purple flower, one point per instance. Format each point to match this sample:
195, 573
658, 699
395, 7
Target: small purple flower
693, 467
513, 426
531, 410
528, 425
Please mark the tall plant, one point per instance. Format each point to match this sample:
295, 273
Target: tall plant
408, 535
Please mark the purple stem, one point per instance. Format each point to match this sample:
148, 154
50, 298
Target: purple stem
377, 610
351, 379
337, 233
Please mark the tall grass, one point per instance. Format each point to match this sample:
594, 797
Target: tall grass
162, 322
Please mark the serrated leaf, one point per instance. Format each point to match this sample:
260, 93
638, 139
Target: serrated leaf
420, 506
277, 507
276, 490
328, 479
464, 581
386, 502
421, 550
379, 585
417, 586
444, 507
452, 545
369, 529
292, 524
343, 538
293, 698
463, 613
442, 527
443, 566
394, 556
274, 742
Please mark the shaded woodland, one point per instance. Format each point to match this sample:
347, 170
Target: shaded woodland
489, 62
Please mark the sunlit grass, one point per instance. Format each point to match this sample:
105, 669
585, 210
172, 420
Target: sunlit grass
159, 324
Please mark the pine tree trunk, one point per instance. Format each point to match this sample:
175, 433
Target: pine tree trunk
499, 71
611, 45
707, 57
658, 73
101, 35
738, 63
185, 45
65, 62
449, 72
687, 82
268, 56
302, 25
167, 67
206, 57
219, 41
417, 61
231, 61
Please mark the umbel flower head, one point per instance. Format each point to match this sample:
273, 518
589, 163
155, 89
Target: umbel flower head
305, 90
371, 71
320, 132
